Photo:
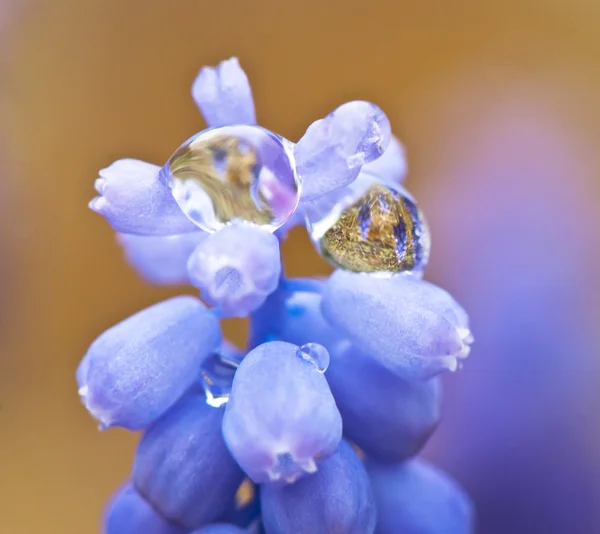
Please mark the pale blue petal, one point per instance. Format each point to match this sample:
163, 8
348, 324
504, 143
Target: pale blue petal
415, 497
137, 369
128, 513
336, 500
223, 95
411, 327
161, 260
236, 268
391, 167
182, 466
221, 528
134, 201
333, 150
281, 416
388, 417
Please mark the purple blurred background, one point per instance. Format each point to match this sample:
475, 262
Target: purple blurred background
498, 106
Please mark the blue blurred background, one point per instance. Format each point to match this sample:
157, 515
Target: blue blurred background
497, 103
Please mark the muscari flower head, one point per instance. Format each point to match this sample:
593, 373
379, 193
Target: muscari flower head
336, 372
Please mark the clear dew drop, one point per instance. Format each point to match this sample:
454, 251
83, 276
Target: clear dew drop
315, 354
234, 173
217, 377
371, 227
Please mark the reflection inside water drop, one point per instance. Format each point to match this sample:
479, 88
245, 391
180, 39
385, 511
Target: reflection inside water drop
315, 354
371, 227
234, 173
217, 377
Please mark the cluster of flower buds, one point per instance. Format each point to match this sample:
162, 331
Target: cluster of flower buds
314, 427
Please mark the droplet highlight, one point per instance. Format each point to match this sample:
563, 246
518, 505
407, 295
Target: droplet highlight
217, 378
315, 354
234, 173
372, 227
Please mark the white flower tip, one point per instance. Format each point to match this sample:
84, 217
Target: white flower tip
465, 335
455, 361
309, 466
100, 185
288, 469
97, 204
233, 60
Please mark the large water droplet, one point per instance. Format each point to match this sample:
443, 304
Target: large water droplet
217, 377
371, 227
234, 173
315, 354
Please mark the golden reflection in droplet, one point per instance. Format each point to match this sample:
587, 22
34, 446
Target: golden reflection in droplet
382, 231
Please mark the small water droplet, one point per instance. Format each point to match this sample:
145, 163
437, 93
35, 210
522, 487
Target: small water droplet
217, 377
234, 173
315, 354
371, 227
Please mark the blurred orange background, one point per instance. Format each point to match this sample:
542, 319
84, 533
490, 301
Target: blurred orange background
479, 92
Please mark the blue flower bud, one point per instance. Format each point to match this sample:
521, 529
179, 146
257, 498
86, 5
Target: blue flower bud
388, 417
182, 466
333, 150
411, 327
221, 528
158, 259
336, 500
417, 497
128, 513
223, 95
134, 201
236, 268
139, 368
281, 416
391, 166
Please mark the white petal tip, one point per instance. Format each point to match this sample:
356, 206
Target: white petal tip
100, 185
97, 204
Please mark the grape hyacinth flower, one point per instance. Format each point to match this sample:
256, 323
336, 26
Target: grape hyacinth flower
321, 415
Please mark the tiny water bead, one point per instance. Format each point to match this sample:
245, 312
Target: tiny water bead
316, 355
372, 228
233, 173
217, 377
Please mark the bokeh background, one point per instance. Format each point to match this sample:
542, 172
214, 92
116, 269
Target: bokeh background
498, 104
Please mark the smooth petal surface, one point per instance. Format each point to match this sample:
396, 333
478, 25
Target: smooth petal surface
221, 528
281, 414
134, 201
236, 268
137, 369
336, 500
409, 326
333, 150
223, 95
388, 417
128, 513
182, 466
161, 260
415, 497
391, 166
